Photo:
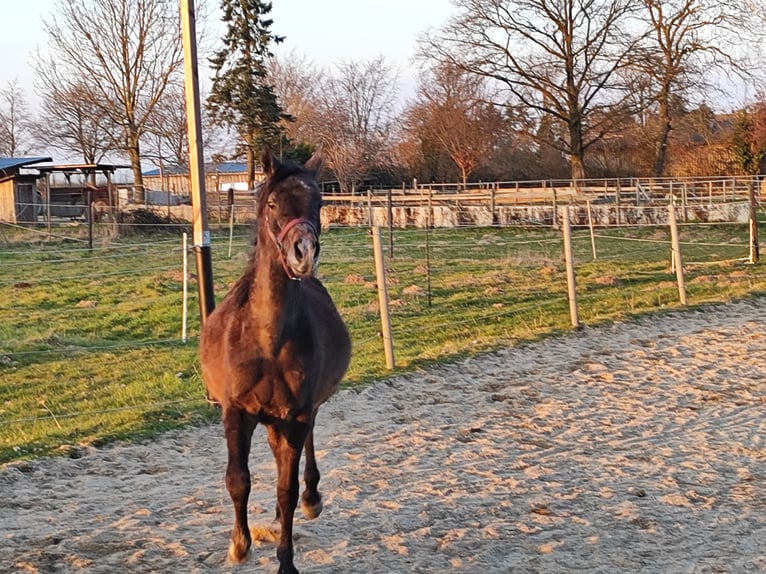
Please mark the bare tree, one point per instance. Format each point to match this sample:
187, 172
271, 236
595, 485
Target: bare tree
560, 59
687, 41
69, 121
167, 136
353, 122
128, 51
297, 83
15, 121
451, 108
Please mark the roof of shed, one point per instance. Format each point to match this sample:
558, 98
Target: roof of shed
18, 162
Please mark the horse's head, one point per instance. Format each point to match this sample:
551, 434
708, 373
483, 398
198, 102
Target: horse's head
288, 212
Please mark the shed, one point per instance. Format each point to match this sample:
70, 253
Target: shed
19, 200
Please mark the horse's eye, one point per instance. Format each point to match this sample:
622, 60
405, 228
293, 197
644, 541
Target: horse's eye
272, 205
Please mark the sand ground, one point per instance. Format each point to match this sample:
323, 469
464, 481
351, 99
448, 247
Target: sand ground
637, 447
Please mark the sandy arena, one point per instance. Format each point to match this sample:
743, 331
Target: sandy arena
632, 448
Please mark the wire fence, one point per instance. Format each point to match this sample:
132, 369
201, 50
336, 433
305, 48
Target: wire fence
90, 339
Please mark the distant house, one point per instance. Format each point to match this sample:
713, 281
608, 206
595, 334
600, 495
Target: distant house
219, 177
19, 200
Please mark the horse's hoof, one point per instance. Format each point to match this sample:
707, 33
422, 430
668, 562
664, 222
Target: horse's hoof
311, 511
236, 556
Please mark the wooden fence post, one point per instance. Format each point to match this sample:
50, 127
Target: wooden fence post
592, 236
492, 189
568, 256
385, 317
617, 198
676, 252
369, 208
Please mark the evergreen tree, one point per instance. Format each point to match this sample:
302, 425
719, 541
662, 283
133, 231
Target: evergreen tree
241, 97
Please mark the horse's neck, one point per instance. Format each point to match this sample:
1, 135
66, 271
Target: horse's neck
269, 291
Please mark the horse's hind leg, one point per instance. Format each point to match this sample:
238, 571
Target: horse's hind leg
238, 428
286, 441
311, 501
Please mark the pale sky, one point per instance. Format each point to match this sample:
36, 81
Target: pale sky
326, 32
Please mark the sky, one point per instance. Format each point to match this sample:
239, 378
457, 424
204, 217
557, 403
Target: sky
327, 32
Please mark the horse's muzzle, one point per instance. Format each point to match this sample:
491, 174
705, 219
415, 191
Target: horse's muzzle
302, 250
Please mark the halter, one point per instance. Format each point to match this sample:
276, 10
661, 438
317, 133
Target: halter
278, 239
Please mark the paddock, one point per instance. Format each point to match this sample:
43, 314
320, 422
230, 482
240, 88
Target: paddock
635, 447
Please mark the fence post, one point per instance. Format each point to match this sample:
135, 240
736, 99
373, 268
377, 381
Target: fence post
676, 249
231, 218
391, 223
753, 223
617, 198
369, 207
568, 256
592, 236
492, 188
184, 312
90, 219
385, 317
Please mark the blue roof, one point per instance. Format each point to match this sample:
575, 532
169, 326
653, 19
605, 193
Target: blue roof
18, 162
225, 167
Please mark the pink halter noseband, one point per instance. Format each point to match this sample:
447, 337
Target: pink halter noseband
278, 239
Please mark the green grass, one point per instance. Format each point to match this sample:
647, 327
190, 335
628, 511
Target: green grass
90, 348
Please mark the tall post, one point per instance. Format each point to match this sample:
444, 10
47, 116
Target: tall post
196, 163
569, 257
385, 318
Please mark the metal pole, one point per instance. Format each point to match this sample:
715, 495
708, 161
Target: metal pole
196, 163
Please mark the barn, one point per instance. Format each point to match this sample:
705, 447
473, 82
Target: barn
19, 200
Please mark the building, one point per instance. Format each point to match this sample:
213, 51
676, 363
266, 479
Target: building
19, 199
219, 177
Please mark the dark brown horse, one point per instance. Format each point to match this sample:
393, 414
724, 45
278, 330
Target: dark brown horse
275, 349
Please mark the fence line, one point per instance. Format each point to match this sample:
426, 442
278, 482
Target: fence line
517, 303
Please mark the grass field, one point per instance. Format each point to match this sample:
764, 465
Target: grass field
90, 347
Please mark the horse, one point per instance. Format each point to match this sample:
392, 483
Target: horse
275, 349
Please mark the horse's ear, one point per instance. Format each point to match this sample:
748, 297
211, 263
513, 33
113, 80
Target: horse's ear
268, 161
314, 163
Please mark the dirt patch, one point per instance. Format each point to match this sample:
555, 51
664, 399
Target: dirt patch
636, 447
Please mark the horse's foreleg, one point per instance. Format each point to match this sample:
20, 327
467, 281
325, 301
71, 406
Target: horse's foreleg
311, 501
238, 428
286, 442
